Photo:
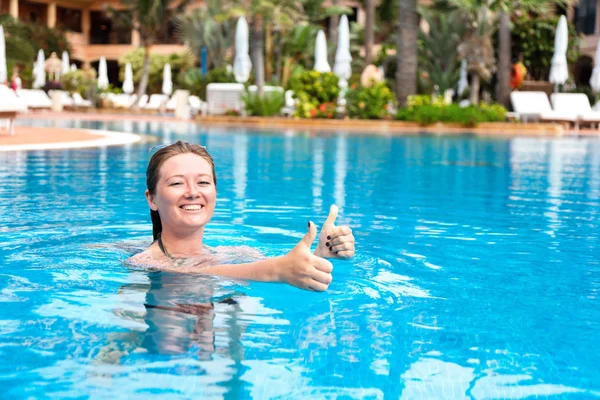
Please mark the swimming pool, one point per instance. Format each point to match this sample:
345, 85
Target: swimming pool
477, 273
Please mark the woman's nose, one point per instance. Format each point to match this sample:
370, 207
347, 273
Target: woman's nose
192, 191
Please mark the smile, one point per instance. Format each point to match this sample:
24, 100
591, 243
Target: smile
191, 207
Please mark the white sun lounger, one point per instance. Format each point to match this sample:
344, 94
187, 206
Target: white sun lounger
65, 99
10, 106
223, 97
35, 98
80, 102
197, 105
535, 106
155, 102
577, 104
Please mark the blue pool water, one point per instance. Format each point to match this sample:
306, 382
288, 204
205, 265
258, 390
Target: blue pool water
477, 273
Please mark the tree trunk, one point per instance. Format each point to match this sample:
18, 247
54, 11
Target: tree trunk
268, 52
258, 59
144, 80
278, 54
504, 59
369, 34
408, 27
334, 21
475, 83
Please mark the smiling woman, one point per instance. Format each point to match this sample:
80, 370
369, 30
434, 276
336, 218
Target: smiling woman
181, 192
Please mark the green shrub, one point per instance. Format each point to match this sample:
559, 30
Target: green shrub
467, 116
368, 102
424, 100
179, 63
193, 80
267, 106
78, 82
312, 89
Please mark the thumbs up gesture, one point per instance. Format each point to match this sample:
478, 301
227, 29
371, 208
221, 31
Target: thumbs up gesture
303, 269
335, 241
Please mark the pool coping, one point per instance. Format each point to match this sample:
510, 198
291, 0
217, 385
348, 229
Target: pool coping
108, 138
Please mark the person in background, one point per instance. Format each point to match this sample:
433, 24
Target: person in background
15, 80
518, 73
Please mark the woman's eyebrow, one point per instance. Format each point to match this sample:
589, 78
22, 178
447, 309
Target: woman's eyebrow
183, 176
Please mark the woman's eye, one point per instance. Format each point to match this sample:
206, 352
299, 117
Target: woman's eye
175, 184
204, 183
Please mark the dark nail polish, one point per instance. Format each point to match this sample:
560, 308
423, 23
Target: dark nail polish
328, 237
327, 244
309, 224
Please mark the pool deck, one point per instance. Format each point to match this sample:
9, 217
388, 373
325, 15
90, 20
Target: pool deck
29, 138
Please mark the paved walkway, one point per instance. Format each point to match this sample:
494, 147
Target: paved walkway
28, 138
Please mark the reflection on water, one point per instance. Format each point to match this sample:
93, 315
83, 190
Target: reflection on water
477, 274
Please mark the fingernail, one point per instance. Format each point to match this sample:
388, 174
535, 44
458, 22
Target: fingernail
327, 244
309, 224
328, 237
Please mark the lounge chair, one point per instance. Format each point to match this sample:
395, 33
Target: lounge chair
535, 106
155, 102
197, 105
35, 99
10, 106
223, 97
577, 104
80, 102
171, 104
66, 100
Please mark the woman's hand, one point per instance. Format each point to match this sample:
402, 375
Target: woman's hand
335, 241
303, 269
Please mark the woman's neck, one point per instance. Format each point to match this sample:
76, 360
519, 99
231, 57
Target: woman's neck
179, 245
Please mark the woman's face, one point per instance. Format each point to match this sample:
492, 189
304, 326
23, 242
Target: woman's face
185, 194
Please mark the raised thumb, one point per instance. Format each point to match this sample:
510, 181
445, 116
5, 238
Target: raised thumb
310, 236
333, 212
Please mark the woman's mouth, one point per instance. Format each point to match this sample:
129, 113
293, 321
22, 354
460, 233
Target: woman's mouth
191, 207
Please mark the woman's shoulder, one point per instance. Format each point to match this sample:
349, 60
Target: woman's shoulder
146, 258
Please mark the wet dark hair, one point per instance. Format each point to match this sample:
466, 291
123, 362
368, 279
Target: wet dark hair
156, 162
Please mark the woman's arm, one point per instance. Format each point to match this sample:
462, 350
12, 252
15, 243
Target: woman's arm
298, 268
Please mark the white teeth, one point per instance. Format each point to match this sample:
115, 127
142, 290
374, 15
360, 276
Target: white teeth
192, 207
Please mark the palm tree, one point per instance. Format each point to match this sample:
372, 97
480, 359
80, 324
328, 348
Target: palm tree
259, 12
149, 18
207, 27
500, 12
408, 28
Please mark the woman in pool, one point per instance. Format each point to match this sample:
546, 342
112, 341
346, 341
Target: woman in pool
181, 192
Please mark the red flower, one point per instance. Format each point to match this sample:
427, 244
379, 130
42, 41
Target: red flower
322, 107
313, 112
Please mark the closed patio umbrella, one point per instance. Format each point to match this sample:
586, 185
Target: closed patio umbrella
128, 81
559, 72
242, 65
343, 59
65, 63
167, 86
342, 68
39, 71
321, 63
102, 74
